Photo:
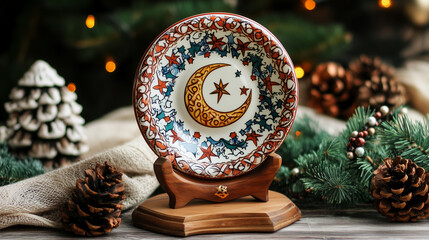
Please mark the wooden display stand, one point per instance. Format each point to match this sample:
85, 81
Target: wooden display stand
269, 213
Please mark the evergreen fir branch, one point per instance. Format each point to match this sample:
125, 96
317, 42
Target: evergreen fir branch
326, 173
356, 122
331, 183
304, 137
308, 161
138, 20
368, 164
332, 149
305, 40
364, 166
407, 139
375, 153
13, 170
328, 150
329, 174
375, 149
282, 180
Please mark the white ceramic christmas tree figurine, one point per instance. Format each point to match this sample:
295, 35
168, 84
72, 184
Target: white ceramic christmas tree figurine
3, 133
44, 118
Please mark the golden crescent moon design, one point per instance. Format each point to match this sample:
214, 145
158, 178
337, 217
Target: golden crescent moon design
197, 107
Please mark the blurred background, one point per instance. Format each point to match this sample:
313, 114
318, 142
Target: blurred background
96, 45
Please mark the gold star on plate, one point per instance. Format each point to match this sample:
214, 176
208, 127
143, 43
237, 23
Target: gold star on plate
220, 90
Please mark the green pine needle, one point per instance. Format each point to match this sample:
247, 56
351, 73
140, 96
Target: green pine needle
304, 39
325, 172
408, 139
13, 170
356, 122
331, 183
305, 136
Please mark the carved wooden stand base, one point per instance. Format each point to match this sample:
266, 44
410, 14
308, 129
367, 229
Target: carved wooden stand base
182, 188
166, 213
199, 217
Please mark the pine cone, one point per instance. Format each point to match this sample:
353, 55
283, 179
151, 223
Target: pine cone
377, 85
96, 203
331, 90
401, 190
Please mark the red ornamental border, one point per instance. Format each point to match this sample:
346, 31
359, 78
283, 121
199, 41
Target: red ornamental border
226, 22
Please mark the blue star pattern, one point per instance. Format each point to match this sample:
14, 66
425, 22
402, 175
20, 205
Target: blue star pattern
205, 44
238, 73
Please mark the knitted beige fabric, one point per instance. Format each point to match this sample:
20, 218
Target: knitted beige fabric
115, 139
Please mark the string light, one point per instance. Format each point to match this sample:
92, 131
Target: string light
71, 87
299, 72
385, 3
309, 5
110, 65
90, 21
306, 66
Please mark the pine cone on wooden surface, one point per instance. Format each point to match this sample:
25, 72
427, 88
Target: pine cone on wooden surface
377, 84
96, 203
400, 190
331, 90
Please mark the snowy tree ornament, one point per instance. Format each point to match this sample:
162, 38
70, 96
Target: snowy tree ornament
44, 118
3, 133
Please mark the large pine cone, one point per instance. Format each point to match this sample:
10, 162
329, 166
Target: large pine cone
401, 190
377, 84
331, 90
96, 203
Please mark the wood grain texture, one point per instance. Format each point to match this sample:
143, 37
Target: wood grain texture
315, 224
200, 217
182, 188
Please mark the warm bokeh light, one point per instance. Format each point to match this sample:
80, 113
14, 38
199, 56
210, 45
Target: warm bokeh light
71, 87
110, 66
306, 65
385, 3
310, 4
90, 21
299, 72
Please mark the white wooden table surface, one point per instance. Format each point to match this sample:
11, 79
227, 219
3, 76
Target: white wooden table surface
315, 224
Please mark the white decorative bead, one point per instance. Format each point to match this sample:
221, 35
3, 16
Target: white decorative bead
350, 155
384, 110
359, 151
355, 134
404, 110
372, 121
295, 171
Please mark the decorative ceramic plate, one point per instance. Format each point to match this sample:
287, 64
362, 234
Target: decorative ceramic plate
218, 92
